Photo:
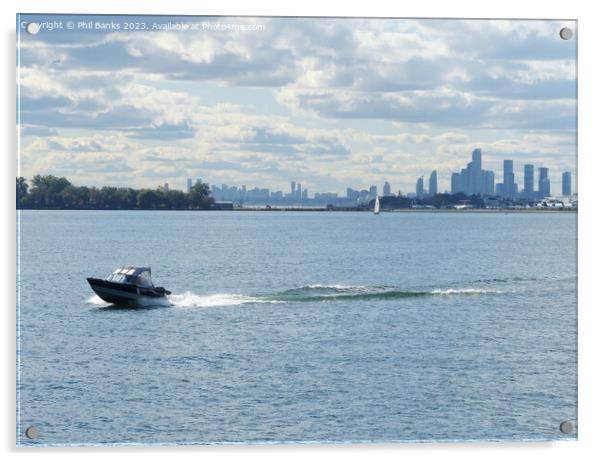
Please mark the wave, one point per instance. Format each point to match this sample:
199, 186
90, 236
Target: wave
318, 293
96, 300
189, 299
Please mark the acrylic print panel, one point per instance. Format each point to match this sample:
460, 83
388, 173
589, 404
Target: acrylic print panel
280, 230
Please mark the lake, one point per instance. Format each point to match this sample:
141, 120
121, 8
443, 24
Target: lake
299, 327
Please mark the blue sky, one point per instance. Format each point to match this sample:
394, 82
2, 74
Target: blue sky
330, 102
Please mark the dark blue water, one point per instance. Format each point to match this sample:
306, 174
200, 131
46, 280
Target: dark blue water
299, 327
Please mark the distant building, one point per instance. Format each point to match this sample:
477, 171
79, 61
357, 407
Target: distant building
352, 195
387, 189
166, 187
544, 183
455, 183
373, 191
223, 205
433, 183
476, 173
509, 189
499, 189
188, 185
566, 183
473, 180
489, 188
528, 190
420, 187
293, 188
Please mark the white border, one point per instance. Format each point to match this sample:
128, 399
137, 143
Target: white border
590, 153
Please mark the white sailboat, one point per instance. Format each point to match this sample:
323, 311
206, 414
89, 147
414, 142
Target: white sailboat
376, 205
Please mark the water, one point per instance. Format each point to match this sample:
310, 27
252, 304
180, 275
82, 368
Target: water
306, 326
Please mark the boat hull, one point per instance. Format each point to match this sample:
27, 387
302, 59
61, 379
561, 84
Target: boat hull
116, 293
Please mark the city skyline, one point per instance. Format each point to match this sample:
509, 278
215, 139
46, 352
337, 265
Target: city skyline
471, 180
329, 101
509, 187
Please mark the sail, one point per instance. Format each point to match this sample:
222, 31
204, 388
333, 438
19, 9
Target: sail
376, 205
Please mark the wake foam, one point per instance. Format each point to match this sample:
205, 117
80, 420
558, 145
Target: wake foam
189, 299
464, 291
317, 293
95, 299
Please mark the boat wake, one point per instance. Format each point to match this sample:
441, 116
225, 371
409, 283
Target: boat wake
318, 293
189, 299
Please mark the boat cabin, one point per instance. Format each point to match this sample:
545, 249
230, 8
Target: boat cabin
140, 276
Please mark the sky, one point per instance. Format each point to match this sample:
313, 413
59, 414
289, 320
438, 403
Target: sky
328, 102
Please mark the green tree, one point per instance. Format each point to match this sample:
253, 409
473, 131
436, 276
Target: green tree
199, 196
46, 191
22, 188
177, 200
126, 198
147, 199
75, 198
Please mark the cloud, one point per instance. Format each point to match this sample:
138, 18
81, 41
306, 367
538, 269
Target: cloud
442, 106
345, 99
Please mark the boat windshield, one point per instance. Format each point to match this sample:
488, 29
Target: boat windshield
118, 278
144, 279
131, 276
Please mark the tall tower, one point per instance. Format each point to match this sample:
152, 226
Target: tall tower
566, 183
188, 185
420, 187
529, 180
456, 183
476, 173
433, 183
387, 189
489, 186
292, 188
544, 183
508, 178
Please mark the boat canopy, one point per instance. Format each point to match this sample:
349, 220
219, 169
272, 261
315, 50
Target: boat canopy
140, 276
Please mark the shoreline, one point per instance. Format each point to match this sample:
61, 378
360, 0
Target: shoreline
333, 210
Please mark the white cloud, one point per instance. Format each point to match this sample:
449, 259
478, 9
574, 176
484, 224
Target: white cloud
355, 99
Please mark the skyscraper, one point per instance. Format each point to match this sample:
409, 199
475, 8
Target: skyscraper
292, 188
489, 186
298, 190
433, 183
387, 189
456, 185
473, 180
566, 183
476, 173
188, 184
420, 187
544, 183
529, 175
509, 187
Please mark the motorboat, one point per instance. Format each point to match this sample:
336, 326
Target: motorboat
127, 284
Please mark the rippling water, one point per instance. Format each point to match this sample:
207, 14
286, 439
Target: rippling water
299, 327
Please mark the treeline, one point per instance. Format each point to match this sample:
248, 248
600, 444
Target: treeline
51, 192
436, 201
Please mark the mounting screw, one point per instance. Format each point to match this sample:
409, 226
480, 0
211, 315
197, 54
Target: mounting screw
566, 427
566, 33
32, 28
31, 432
